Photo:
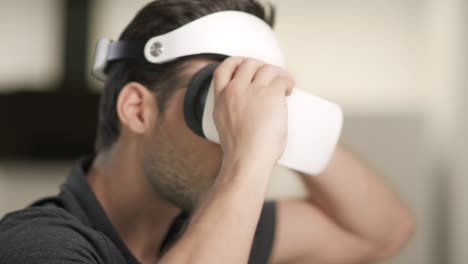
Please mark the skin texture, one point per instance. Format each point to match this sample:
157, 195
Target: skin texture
159, 166
180, 165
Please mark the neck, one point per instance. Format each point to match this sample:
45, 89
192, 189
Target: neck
140, 216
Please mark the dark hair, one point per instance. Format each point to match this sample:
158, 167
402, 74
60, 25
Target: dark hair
157, 18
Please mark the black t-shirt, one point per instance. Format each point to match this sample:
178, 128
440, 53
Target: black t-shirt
72, 227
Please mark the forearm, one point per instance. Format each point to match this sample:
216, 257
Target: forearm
359, 201
223, 227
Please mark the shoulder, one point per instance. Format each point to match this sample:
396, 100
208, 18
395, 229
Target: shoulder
48, 235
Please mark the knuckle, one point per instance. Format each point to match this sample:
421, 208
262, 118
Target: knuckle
286, 81
263, 68
219, 72
272, 69
235, 60
251, 63
281, 83
251, 60
289, 76
277, 70
227, 63
263, 71
292, 84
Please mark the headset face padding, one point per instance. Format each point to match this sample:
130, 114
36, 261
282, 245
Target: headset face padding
195, 98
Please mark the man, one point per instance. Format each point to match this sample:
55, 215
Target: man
157, 193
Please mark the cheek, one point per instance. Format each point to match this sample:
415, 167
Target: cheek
201, 150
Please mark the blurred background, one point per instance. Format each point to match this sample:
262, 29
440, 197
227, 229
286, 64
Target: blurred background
397, 67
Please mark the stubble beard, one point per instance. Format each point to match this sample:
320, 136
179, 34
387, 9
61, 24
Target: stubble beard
173, 175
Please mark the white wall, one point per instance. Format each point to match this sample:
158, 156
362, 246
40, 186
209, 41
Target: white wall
363, 54
30, 47
22, 182
459, 158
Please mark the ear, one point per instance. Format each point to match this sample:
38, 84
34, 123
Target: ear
137, 108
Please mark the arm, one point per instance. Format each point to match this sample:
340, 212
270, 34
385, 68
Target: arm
350, 217
247, 94
225, 218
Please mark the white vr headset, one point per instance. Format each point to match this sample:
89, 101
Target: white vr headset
314, 124
229, 33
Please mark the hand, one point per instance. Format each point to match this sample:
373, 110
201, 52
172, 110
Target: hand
250, 111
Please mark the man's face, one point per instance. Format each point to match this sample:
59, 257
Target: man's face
180, 165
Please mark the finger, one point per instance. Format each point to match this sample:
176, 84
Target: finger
245, 72
282, 85
225, 72
290, 88
267, 73
292, 82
